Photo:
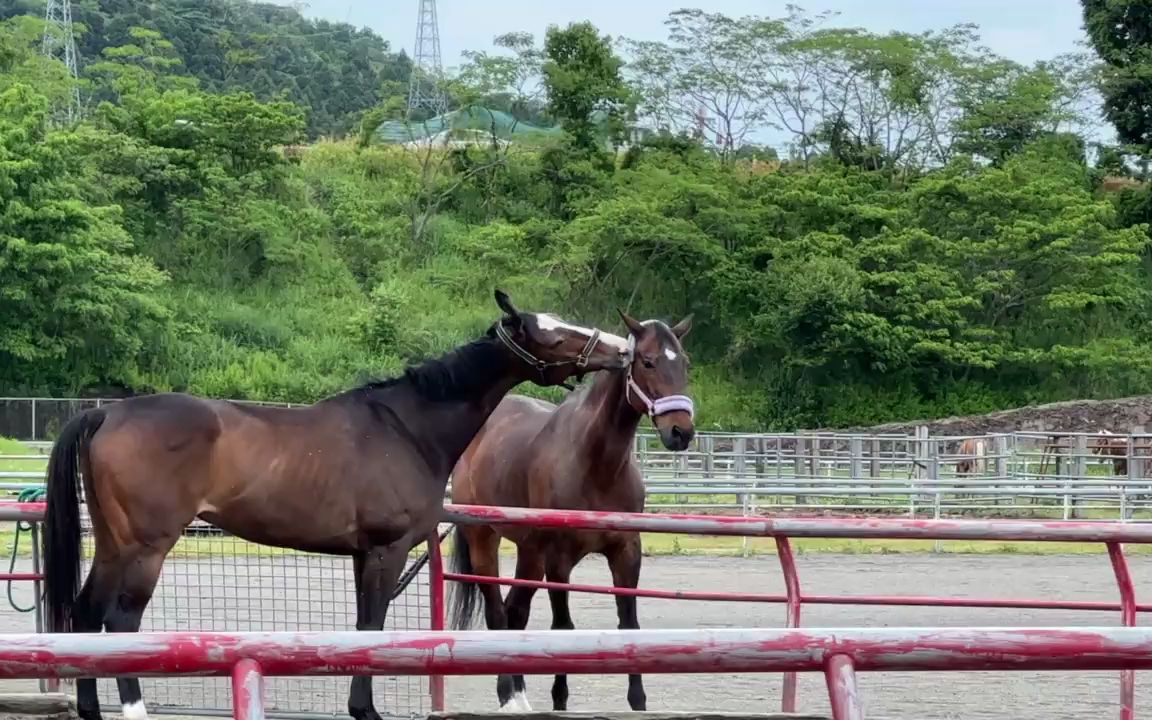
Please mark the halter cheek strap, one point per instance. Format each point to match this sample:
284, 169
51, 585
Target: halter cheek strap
581, 360
661, 405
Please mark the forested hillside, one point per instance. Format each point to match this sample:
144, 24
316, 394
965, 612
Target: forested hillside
335, 70
939, 238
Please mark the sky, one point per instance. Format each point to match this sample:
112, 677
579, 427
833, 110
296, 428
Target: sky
1023, 30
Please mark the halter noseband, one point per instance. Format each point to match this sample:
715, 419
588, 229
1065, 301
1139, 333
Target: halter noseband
661, 405
581, 360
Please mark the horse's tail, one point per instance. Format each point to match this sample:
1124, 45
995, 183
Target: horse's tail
62, 519
464, 606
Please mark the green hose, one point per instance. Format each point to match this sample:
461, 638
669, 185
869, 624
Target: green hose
33, 494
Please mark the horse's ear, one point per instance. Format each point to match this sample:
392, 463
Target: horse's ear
631, 323
681, 328
505, 303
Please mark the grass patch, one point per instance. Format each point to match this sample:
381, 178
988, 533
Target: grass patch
10, 447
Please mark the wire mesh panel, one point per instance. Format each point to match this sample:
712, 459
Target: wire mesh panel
216, 582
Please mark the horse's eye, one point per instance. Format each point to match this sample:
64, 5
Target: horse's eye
647, 363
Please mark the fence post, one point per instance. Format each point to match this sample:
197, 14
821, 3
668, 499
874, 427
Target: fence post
1000, 443
32, 432
933, 463
1079, 466
874, 465
855, 458
739, 475
799, 464
1063, 471
1136, 472
437, 608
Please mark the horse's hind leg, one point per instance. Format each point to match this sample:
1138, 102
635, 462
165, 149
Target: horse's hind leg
88, 617
624, 562
139, 571
560, 571
376, 572
511, 689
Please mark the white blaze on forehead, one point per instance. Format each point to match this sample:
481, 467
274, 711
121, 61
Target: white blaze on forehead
551, 322
670, 353
546, 321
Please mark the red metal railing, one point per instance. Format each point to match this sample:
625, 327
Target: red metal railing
183, 653
1112, 534
838, 654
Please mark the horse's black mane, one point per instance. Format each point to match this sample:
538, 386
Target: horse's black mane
457, 374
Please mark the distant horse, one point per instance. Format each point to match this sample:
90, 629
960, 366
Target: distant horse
361, 473
975, 451
575, 456
1116, 446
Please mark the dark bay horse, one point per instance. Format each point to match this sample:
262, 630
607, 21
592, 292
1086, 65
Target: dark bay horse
361, 473
576, 456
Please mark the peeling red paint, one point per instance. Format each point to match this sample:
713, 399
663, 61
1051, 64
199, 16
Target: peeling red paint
27, 512
887, 528
840, 675
247, 690
894, 600
574, 652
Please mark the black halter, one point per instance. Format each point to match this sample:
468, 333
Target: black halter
581, 360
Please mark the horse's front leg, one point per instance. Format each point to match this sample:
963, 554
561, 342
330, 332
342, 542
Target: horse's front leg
376, 572
512, 689
624, 562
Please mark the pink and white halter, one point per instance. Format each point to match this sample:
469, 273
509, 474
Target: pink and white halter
659, 406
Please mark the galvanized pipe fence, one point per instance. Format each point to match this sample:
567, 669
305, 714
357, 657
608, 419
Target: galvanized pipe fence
1067, 476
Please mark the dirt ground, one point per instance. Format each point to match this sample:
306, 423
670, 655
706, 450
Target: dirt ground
307, 602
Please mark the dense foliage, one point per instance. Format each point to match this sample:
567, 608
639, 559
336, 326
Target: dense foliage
333, 69
933, 241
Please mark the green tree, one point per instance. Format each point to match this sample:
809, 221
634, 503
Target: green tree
1120, 31
76, 302
582, 77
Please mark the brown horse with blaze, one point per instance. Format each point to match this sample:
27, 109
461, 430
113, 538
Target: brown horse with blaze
575, 456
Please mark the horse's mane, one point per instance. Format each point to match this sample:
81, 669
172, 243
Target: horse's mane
457, 374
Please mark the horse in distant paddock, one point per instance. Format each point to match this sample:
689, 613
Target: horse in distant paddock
974, 451
361, 473
1115, 446
575, 456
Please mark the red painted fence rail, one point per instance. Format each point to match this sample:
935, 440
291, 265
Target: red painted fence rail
1112, 534
838, 653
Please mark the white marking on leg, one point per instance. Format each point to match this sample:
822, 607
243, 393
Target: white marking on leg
518, 703
135, 711
670, 354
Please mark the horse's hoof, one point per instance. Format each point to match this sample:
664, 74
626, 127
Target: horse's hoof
518, 703
364, 713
